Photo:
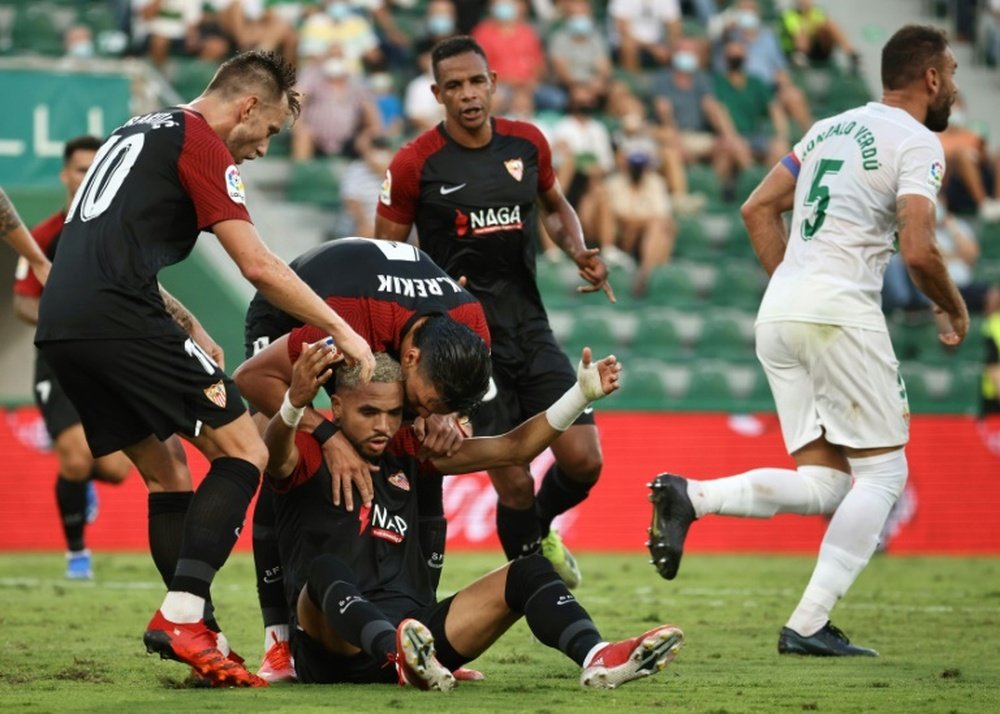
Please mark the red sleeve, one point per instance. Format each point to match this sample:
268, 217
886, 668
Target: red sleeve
305, 333
530, 132
25, 282
472, 316
310, 459
405, 443
209, 175
400, 191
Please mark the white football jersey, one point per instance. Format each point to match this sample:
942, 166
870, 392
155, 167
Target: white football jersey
852, 168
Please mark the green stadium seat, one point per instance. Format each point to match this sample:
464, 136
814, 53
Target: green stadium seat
701, 178
670, 285
708, 389
723, 338
692, 240
551, 280
191, 76
748, 180
740, 285
659, 338
313, 182
989, 241
642, 387
593, 331
759, 397
35, 30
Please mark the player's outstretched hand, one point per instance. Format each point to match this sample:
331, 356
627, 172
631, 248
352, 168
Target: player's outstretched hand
440, 435
597, 380
952, 329
595, 272
310, 372
356, 350
347, 469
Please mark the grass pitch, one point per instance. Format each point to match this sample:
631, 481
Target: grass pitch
67, 646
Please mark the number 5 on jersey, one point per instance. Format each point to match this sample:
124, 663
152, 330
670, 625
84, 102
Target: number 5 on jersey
819, 197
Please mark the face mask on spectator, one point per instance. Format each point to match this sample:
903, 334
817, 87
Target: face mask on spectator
583, 108
504, 11
637, 164
580, 25
685, 62
381, 82
439, 25
336, 68
735, 64
338, 11
81, 49
747, 20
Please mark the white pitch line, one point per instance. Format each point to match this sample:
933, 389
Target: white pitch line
100, 584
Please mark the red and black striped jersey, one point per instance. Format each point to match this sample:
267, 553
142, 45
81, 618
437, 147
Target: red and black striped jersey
156, 182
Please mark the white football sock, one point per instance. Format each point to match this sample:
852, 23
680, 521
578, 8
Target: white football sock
851, 537
183, 607
762, 493
273, 634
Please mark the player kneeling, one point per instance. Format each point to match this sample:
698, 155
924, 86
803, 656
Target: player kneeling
359, 588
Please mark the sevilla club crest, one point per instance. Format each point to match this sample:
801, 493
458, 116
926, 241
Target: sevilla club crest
217, 394
515, 167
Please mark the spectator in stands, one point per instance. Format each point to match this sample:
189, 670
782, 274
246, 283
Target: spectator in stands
765, 59
338, 112
439, 21
420, 107
957, 242
694, 122
972, 173
583, 156
78, 42
360, 186
269, 26
390, 106
513, 47
165, 27
641, 210
645, 31
808, 33
755, 112
578, 52
340, 25
989, 392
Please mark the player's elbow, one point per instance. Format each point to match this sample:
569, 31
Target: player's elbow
921, 259
751, 210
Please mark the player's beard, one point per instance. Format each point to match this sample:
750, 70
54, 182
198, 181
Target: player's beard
938, 113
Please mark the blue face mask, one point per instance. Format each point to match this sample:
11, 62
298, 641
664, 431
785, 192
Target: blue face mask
440, 25
504, 11
81, 49
747, 20
685, 62
580, 25
338, 11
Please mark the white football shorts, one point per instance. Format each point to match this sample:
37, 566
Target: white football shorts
843, 381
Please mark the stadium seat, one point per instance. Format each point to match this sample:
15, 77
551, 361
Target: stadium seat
989, 241
591, 330
758, 398
692, 240
672, 286
723, 338
313, 182
701, 179
642, 388
739, 285
35, 30
748, 179
708, 389
658, 338
191, 76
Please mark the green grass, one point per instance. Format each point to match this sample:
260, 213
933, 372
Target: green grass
76, 646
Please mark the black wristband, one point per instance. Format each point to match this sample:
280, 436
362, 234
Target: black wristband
325, 431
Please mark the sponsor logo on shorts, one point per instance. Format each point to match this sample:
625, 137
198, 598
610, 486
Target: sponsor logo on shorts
515, 167
217, 394
400, 481
234, 185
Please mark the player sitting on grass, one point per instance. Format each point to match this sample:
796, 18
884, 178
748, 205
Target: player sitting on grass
357, 582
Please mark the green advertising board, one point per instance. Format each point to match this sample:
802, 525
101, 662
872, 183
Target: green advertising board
44, 109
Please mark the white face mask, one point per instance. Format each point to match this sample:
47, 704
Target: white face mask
685, 62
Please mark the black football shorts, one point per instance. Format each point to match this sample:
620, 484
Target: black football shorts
127, 389
528, 386
57, 410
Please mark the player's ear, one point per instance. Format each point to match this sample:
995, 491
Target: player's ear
437, 92
337, 407
493, 82
248, 105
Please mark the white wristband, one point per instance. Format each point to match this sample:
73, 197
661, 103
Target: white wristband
290, 414
567, 409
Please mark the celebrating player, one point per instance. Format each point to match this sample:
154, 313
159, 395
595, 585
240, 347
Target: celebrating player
855, 182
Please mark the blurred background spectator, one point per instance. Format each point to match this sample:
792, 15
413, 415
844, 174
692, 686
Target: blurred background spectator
513, 48
361, 181
578, 52
644, 32
808, 34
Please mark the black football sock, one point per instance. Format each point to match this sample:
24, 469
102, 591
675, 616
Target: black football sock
331, 587
518, 531
213, 523
553, 614
166, 529
556, 495
267, 561
433, 526
71, 497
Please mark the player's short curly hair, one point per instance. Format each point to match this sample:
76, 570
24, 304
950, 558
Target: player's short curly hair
455, 360
255, 70
910, 52
453, 47
386, 370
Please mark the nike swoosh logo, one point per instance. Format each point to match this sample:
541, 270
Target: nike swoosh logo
588, 410
276, 579
445, 190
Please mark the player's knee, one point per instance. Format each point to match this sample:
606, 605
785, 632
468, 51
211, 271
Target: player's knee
256, 453
884, 474
112, 469
75, 464
827, 487
515, 488
525, 577
324, 571
583, 467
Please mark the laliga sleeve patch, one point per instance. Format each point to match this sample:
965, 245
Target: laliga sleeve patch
385, 193
234, 185
935, 174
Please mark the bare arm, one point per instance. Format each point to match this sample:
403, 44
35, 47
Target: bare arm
761, 215
15, 233
390, 230
915, 216
26, 308
526, 441
563, 226
285, 290
186, 320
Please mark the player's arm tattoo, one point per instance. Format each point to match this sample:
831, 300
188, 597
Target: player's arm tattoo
180, 314
901, 205
9, 220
